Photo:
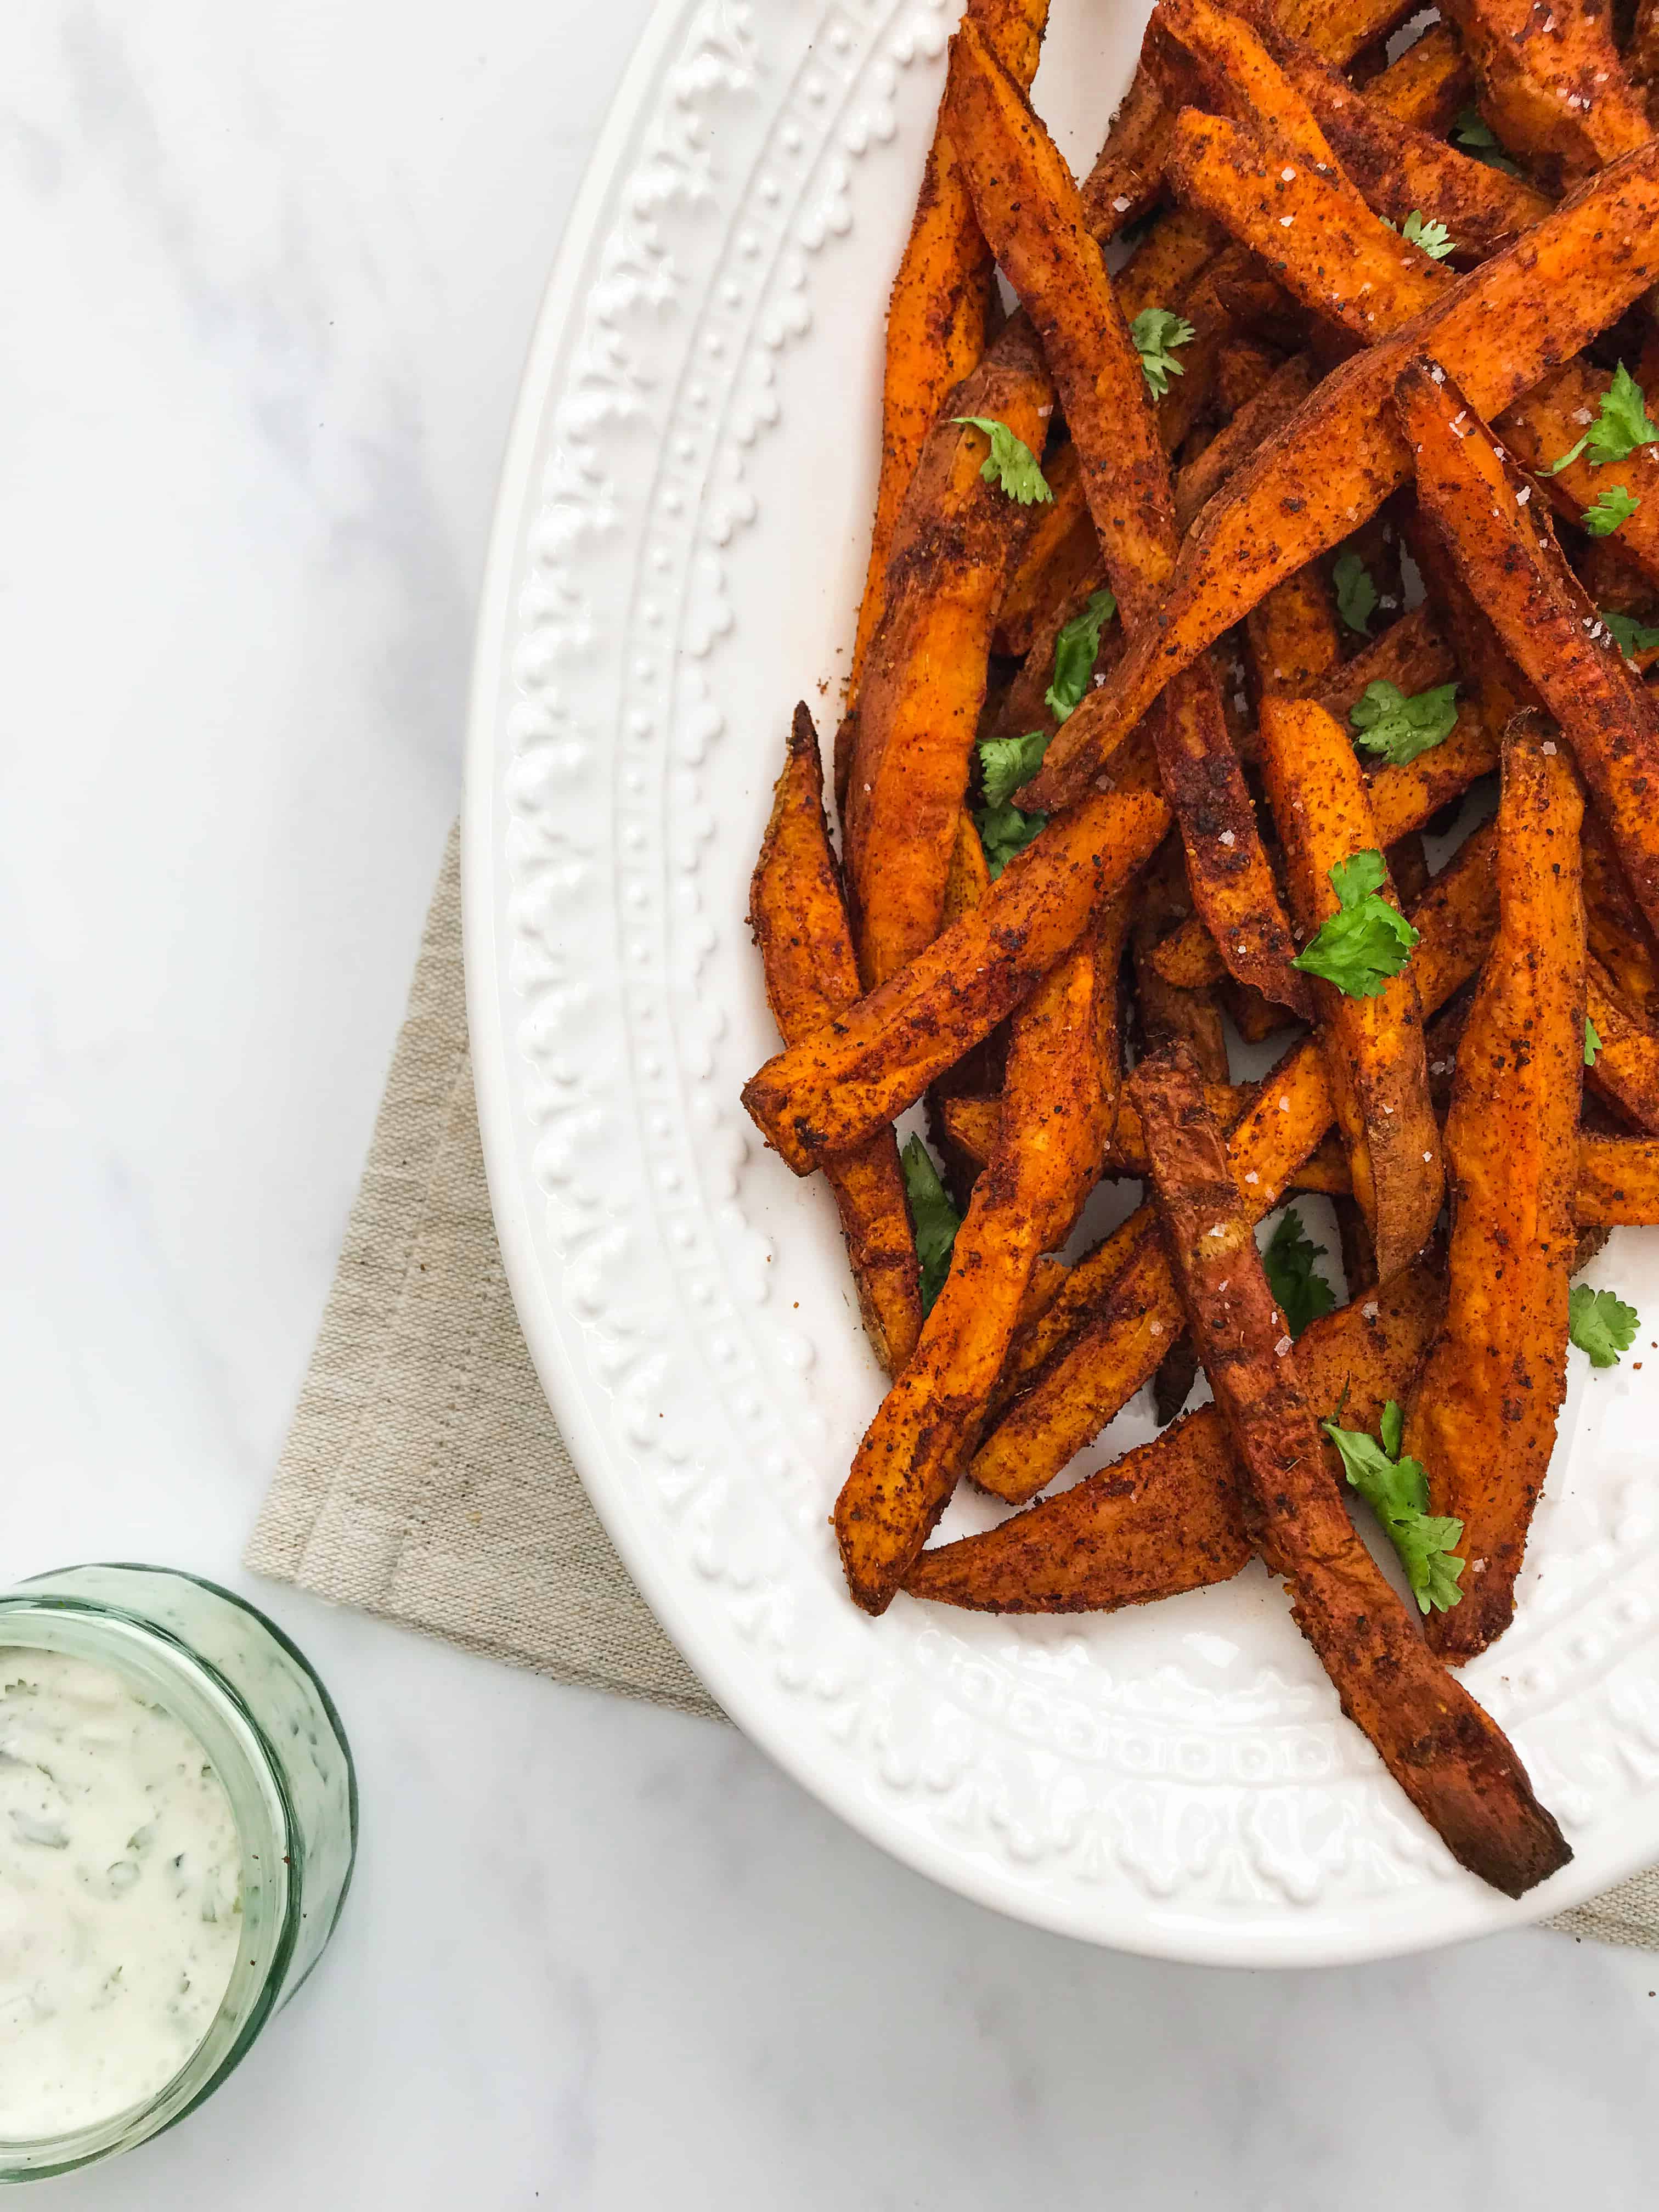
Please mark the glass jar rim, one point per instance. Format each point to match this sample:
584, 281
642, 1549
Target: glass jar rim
156, 1659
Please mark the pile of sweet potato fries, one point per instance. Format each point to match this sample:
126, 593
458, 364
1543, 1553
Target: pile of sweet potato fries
1306, 489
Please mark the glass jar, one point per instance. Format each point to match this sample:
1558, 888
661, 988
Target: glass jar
232, 1678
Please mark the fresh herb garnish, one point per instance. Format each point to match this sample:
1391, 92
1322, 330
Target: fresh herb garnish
1153, 333
1075, 652
1397, 1490
1006, 763
1630, 636
1011, 462
1359, 948
1613, 507
1592, 1041
1621, 426
1356, 595
1600, 1324
932, 1217
1004, 830
1400, 727
1474, 135
1300, 1292
1434, 237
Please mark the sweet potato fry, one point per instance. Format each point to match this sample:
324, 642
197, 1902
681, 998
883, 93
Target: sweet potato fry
1401, 169
1254, 424
972, 1123
1060, 548
799, 921
1169, 1516
1210, 57
1373, 1047
924, 686
1100, 1339
1618, 1184
1494, 530
1295, 648
936, 319
1551, 84
1057, 1101
1614, 932
1429, 84
1497, 331
1625, 1072
1450, 1758
837, 1087
1544, 424
1482, 1418
1166, 1011
1030, 210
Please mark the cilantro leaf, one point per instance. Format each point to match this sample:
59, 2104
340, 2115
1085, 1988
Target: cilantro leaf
1433, 237
1620, 427
1399, 727
1153, 333
1299, 1291
1368, 940
933, 1218
1012, 464
1630, 636
1397, 1491
1592, 1041
1075, 651
1474, 135
1600, 1324
1004, 830
1356, 595
1006, 763
1613, 507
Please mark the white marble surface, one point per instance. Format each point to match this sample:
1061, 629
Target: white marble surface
270, 275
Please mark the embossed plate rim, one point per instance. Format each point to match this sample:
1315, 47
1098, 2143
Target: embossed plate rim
1345, 1932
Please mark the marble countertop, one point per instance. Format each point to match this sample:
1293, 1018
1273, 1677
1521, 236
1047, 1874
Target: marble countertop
271, 273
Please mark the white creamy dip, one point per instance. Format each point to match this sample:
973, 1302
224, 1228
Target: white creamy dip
120, 1906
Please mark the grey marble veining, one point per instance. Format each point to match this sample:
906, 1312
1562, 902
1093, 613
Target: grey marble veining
271, 273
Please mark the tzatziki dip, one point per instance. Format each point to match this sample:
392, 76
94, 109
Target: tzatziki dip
120, 1903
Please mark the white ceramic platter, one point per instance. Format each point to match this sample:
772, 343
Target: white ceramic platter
679, 543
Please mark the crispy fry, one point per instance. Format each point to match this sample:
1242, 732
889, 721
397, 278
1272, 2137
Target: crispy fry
837, 1087
799, 921
1295, 648
1618, 1182
1029, 208
1451, 1759
1428, 86
1401, 169
1544, 424
1373, 1048
1615, 933
919, 709
1508, 554
1627, 1069
1254, 424
1060, 550
1340, 456
1482, 1418
1166, 1011
1057, 1101
1552, 85
1102, 1338
1210, 57
937, 316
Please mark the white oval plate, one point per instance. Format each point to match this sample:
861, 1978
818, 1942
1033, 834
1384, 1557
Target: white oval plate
678, 546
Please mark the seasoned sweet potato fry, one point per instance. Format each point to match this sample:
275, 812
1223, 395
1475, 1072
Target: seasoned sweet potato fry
924, 686
1450, 1758
837, 1087
1497, 331
1482, 1418
936, 319
1618, 1183
1210, 57
1551, 84
1546, 423
1494, 530
1615, 931
1057, 1102
1295, 648
1401, 169
972, 1123
1164, 1011
1102, 1338
799, 921
1059, 549
1254, 424
1373, 1046
1029, 208
1625, 1070
1429, 84
1169, 1516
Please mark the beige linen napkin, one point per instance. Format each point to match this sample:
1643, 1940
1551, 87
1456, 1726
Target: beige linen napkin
424, 1479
